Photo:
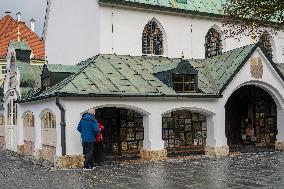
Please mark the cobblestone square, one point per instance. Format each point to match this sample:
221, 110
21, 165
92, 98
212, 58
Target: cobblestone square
265, 170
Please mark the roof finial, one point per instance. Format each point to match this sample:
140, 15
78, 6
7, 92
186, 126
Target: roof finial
18, 33
182, 55
253, 36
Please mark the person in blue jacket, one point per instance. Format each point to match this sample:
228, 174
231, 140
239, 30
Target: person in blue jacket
88, 127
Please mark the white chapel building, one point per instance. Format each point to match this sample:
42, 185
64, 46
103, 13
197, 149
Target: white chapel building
163, 78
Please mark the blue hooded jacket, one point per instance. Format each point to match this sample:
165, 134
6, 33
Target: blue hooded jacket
88, 127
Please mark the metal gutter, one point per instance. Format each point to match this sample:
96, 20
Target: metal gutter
121, 3
63, 125
119, 95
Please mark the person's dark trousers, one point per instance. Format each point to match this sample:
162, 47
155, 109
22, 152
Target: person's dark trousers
98, 152
88, 151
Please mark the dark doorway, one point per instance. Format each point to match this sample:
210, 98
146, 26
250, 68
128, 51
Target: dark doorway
184, 132
251, 120
124, 133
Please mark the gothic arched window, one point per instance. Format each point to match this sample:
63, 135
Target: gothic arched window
152, 39
213, 43
265, 43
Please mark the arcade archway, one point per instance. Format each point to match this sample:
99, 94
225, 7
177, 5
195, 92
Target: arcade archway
124, 132
184, 132
251, 120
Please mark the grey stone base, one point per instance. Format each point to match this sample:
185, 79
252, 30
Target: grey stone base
147, 155
217, 150
69, 161
279, 146
2, 142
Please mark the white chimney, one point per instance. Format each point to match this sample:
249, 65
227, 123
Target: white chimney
32, 21
19, 16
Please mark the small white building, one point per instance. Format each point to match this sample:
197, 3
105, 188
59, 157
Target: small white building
162, 78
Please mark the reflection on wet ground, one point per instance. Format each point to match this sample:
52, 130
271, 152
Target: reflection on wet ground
265, 170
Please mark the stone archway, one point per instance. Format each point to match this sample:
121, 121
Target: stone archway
185, 131
251, 120
124, 132
123, 136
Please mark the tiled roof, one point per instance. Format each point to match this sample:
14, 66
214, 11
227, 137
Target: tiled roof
8, 32
212, 7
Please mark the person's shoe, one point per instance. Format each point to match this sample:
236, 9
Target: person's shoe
87, 168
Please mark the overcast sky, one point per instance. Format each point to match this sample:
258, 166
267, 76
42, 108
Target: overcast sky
29, 9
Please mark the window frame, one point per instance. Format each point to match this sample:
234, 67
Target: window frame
48, 120
29, 120
213, 43
151, 38
184, 83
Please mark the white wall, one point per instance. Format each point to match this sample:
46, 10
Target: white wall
147, 106
39, 107
78, 30
73, 31
183, 33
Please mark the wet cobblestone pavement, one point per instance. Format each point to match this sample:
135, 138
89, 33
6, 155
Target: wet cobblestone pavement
264, 170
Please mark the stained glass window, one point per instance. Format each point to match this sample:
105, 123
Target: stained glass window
265, 43
152, 39
213, 43
48, 120
29, 120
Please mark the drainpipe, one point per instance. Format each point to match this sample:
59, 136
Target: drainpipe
63, 125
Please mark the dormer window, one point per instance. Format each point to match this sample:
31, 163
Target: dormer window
184, 83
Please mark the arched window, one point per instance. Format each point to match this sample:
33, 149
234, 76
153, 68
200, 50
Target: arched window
152, 39
2, 118
213, 43
29, 120
48, 120
265, 43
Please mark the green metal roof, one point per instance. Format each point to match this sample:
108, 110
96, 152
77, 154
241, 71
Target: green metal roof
112, 75
281, 68
30, 79
59, 68
224, 67
115, 75
20, 45
212, 7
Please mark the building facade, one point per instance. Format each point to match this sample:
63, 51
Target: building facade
162, 78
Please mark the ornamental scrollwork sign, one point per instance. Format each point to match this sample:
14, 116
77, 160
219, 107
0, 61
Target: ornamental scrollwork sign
256, 68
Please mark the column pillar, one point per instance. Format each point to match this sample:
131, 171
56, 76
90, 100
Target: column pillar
153, 145
216, 136
279, 143
20, 128
38, 142
58, 136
